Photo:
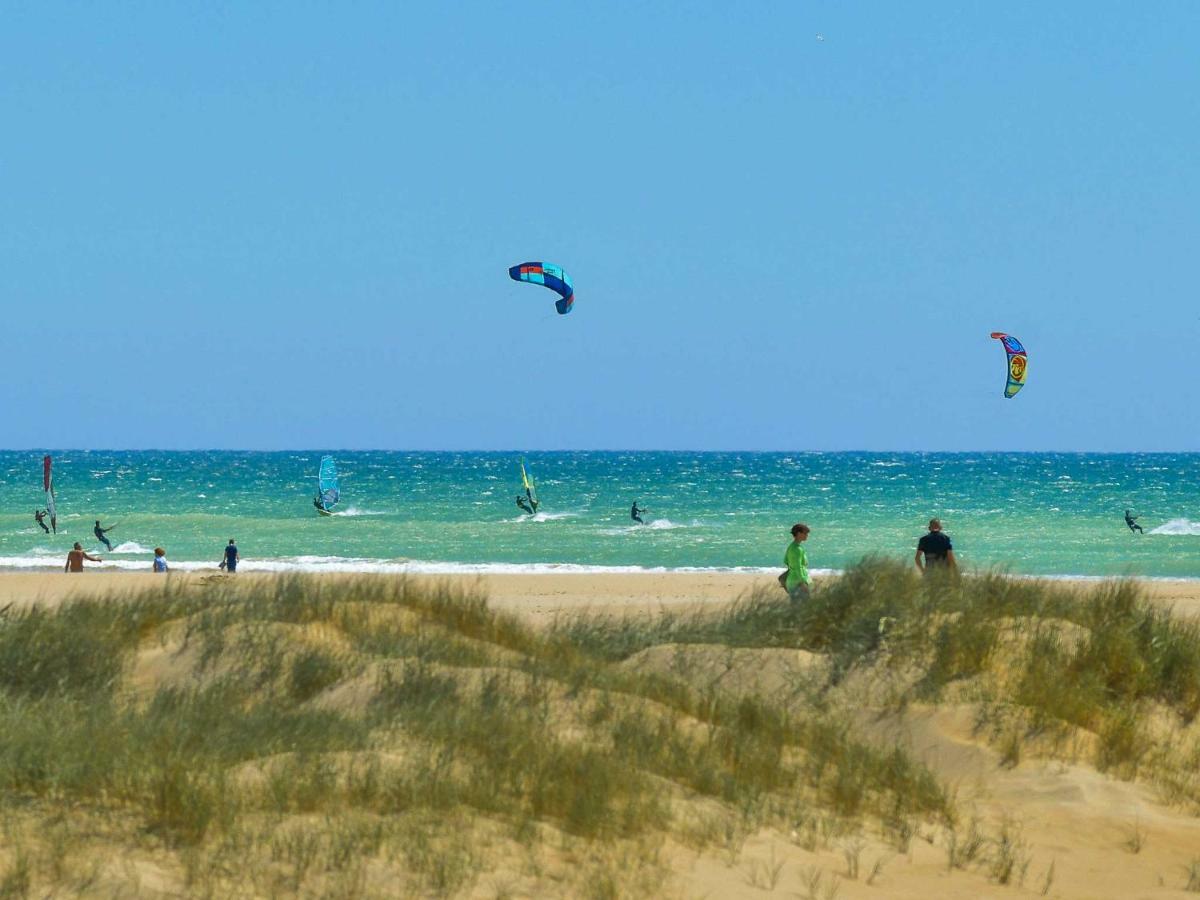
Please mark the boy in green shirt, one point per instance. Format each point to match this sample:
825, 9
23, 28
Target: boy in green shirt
798, 580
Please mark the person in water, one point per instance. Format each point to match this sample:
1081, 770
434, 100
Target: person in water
232, 557
318, 504
937, 550
796, 580
1130, 520
76, 557
160, 559
39, 516
100, 534
636, 514
524, 504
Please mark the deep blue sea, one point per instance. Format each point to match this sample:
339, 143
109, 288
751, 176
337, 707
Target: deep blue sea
1042, 514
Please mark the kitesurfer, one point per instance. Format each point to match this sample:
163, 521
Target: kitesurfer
39, 516
76, 557
100, 532
636, 514
232, 557
1130, 520
524, 504
937, 550
796, 580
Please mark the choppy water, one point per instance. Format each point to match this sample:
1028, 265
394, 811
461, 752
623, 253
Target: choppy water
1046, 514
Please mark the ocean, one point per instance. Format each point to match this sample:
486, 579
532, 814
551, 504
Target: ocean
1030, 513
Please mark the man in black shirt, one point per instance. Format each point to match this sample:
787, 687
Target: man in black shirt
936, 548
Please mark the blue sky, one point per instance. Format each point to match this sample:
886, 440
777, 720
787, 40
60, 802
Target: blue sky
287, 225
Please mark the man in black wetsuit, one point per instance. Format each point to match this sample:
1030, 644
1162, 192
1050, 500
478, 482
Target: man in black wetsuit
1131, 521
100, 532
937, 550
636, 514
521, 502
39, 516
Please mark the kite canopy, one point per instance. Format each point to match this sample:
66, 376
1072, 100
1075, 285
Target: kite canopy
1018, 363
547, 275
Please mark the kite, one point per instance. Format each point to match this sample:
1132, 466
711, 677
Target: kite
1018, 363
547, 275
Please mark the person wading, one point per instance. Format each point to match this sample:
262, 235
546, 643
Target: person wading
936, 549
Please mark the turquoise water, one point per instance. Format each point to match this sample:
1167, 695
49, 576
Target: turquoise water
1045, 514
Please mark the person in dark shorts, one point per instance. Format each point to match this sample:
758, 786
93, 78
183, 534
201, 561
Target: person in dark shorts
937, 550
1130, 520
231, 560
39, 516
636, 514
100, 535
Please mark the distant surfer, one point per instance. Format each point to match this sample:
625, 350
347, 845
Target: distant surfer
76, 557
318, 504
937, 550
636, 514
533, 504
100, 534
39, 516
1130, 520
231, 559
524, 504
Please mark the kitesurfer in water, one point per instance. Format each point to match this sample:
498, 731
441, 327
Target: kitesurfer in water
100, 532
1130, 520
39, 516
524, 504
636, 514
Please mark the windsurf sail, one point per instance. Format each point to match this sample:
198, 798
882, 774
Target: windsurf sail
530, 487
327, 484
1018, 363
48, 486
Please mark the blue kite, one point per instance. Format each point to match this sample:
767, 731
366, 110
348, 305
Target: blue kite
547, 275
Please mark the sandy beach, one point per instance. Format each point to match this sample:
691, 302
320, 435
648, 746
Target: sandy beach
538, 597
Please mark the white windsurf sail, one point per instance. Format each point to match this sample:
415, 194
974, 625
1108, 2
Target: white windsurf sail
48, 486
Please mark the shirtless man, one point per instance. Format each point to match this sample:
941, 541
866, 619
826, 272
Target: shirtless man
76, 557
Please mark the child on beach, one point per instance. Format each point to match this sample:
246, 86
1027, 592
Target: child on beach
160, 559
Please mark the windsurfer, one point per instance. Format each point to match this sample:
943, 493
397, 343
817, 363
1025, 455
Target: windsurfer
524, 504
39, 516
100, 534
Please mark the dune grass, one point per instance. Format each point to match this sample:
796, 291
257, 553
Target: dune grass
345, 737
1043, 657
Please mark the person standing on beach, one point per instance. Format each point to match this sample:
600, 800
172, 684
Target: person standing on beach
231, 560
937, 550
796, 580
39, 516
1130, 520
636, 514
160, 559
76, 557
100, 534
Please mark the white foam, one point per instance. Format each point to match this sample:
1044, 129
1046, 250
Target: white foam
130, 547
355, 511
1177, 526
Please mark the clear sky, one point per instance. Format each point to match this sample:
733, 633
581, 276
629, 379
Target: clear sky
288, 225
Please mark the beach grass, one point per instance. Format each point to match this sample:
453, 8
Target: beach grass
341, 736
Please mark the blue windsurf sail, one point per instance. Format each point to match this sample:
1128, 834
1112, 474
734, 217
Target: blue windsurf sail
328, 493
